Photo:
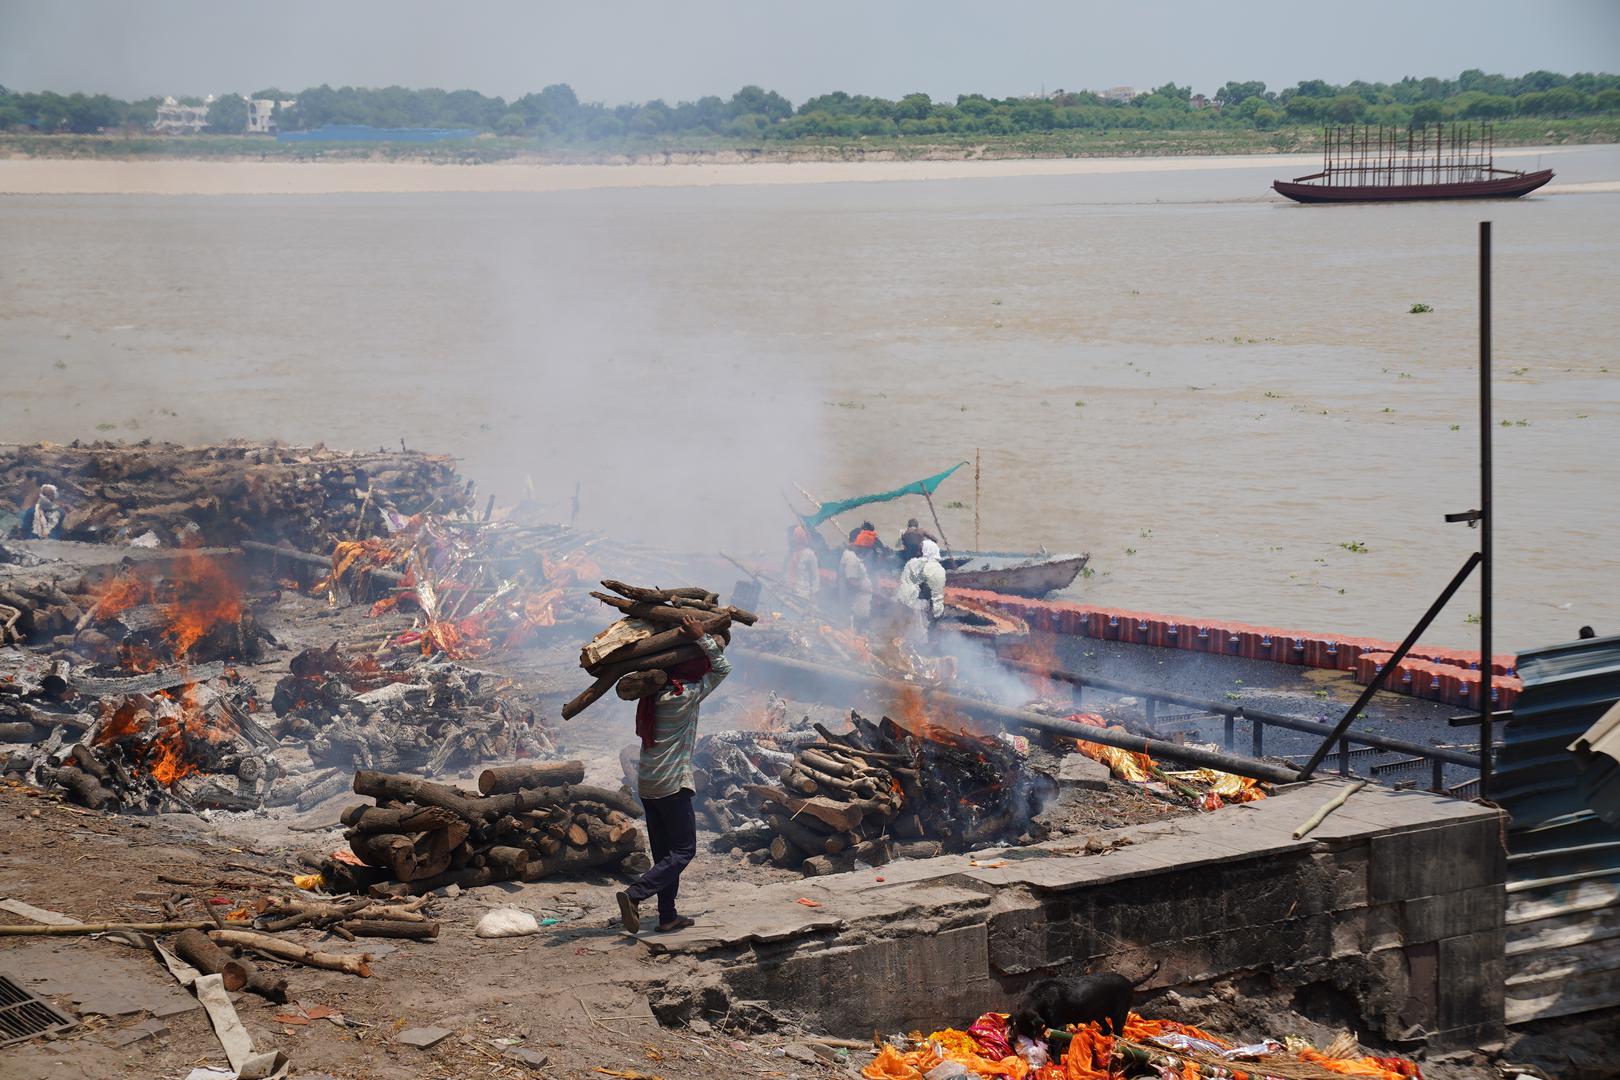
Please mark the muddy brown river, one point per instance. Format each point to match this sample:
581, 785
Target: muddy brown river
1221, 396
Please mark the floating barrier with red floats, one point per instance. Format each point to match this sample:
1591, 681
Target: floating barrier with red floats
1453, 683
1454, 673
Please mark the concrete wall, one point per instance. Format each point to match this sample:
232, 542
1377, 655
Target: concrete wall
1389, 918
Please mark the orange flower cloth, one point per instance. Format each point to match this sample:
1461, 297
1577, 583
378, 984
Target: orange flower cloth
1090, 1053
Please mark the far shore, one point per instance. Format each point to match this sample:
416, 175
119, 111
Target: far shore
55, 176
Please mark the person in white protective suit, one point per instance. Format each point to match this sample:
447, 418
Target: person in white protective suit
922, 586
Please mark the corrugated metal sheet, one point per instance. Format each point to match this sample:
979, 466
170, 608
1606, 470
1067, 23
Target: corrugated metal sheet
1563, 918
1598, 751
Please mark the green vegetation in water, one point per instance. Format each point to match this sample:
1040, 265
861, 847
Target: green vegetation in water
1388, 409
1521, 371
1087, 572
1272, 394
1473, 618
846, 404
1130, 551
1145, 534
956, 504
1419, 309
1356, 546
1515, 423
1456, 427
1079, 404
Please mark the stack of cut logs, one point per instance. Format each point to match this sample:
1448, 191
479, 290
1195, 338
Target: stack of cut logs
311, 497
634, 652
35, 611
880, 792
528, 822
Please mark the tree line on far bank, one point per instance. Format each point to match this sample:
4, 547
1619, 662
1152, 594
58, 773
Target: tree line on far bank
556, 115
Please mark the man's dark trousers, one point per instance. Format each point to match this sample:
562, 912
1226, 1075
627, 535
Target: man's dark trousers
672, 835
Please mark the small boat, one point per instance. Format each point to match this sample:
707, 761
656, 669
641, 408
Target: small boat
1014, 573
1367, 168
1034, 578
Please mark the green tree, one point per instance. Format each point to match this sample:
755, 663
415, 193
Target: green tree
1562, 101
766, 103
1236, 93
1267, 118
1425, 113
1345, 109
510, 124
1606, 101
914, 107
228, 115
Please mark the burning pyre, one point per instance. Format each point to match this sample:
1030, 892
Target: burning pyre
474, 588
190, 609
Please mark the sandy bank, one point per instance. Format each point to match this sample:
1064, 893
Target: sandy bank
21, 176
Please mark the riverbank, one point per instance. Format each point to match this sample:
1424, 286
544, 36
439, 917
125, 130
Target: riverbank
53, 176
720, 150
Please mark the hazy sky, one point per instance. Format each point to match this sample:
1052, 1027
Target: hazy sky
633, 51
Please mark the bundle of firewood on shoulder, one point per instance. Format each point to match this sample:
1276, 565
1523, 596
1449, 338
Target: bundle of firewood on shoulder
634, 652
528, 822
881, 792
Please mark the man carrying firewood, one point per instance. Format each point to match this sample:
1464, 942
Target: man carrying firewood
667, 723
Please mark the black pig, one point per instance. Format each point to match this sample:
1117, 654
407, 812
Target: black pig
1057, 1003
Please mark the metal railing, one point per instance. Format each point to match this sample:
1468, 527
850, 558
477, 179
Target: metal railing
1349, 748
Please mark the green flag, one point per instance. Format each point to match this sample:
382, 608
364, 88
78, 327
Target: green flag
916, 487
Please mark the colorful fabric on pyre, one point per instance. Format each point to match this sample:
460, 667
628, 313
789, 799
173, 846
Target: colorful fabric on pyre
1094, 1055
1207, 789
444, 565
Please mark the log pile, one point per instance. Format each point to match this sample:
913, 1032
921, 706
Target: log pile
411, 715
528, 822
633, 653
882, 791
35, 611
309, 497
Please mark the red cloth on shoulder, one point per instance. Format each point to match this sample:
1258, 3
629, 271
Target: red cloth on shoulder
647, 707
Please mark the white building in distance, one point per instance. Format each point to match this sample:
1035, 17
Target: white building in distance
262, 113
1118, 93
179, 119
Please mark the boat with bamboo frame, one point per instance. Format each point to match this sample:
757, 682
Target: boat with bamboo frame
1379, 165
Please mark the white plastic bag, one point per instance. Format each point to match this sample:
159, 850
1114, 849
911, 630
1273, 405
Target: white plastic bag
506, 922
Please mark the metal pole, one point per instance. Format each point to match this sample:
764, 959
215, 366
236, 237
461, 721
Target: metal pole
976, 546
1389, 666
943, 542
1486, 672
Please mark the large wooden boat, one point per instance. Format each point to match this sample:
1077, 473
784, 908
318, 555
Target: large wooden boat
1382, 167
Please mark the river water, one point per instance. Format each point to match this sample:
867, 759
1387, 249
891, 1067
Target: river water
1209, 389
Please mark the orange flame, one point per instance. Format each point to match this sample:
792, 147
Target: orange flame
161, 734
117, 595
203, 597
195, 597
1039, 651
